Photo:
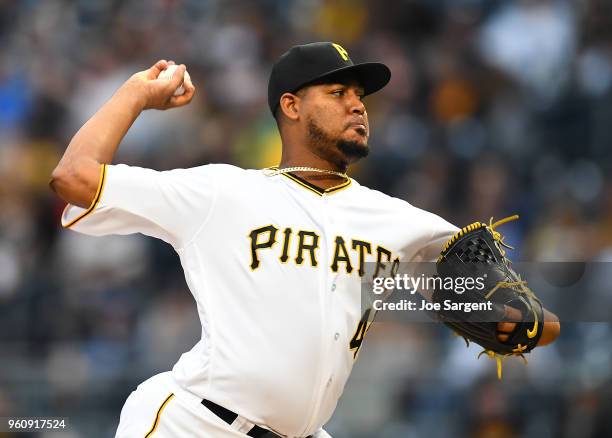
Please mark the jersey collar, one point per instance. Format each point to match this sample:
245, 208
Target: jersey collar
313, 188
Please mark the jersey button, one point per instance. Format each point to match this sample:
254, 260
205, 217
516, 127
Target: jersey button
329, 382
333, 288
336, 336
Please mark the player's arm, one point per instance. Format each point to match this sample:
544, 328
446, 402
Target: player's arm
75, 179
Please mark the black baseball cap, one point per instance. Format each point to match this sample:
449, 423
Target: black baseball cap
302, 65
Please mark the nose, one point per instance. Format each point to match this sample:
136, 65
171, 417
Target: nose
356, 104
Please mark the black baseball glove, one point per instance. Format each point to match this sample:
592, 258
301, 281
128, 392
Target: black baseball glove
476, 252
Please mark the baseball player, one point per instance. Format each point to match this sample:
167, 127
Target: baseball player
273, 257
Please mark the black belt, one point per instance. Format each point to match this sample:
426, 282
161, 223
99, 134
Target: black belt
229, 417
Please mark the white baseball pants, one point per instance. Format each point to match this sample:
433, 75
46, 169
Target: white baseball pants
160, 408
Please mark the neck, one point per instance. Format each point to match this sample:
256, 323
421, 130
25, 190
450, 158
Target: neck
306, 158
309, 159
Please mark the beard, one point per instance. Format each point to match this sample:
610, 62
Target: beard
336, 150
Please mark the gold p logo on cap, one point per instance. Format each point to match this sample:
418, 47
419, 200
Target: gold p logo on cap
343, 53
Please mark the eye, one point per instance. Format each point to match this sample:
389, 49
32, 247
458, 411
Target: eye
338, 93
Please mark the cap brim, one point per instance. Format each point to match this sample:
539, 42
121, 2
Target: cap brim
371, 75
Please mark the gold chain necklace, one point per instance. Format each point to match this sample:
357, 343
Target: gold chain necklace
273, 172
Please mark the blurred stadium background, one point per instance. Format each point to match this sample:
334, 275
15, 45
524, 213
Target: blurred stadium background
495, 107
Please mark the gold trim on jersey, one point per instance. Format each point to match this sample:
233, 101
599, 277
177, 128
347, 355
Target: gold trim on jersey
313, 188
158, 415
95, 201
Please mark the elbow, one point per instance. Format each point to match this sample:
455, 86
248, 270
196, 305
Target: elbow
67, 183
56, 176
60, 179
76, 181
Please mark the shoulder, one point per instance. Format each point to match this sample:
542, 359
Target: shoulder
205, 169
223, 178
204, 174
223, 170
200, 179
383, 200
405, 211
217, 169
227, 175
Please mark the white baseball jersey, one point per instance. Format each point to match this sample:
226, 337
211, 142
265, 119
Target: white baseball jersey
274, 264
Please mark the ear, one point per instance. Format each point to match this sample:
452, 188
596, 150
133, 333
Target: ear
289, 105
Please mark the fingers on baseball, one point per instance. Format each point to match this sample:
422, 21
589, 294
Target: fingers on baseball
184, 98
177, 77
188, 85
177, 80
157, 68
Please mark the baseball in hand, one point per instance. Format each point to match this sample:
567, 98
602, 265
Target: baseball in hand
169, 72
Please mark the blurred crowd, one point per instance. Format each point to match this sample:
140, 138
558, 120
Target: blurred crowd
494, 108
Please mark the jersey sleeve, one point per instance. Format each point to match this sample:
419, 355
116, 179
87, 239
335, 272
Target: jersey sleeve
441, 231
171, 205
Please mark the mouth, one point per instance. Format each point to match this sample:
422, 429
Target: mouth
360, 128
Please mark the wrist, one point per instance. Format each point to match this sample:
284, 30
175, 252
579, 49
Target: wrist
133, 95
